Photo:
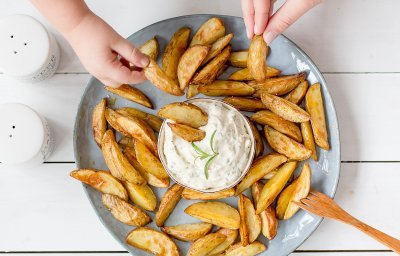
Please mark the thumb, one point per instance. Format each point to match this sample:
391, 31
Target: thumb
124, 48
121, 74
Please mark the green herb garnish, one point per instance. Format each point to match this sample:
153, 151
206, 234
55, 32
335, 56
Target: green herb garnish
204, 155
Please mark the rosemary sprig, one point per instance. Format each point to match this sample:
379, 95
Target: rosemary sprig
204, 155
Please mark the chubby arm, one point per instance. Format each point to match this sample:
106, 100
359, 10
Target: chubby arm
97, 44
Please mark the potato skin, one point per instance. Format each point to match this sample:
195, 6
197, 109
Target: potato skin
279, 85
209, 32
186, 132
226, 88
99, 123
297, 94
157, 77
153, 121
150, 48
245, 75
184, 113
206, 244
308, 139
188, 232
245, 104
190, 194
257, 59
217, 47
167, 204
238, 59
189, 63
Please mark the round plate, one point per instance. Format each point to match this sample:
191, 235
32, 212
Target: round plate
284, 55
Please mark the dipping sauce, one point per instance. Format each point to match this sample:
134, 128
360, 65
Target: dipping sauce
231, 150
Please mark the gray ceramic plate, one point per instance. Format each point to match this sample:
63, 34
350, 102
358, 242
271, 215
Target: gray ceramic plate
286, 56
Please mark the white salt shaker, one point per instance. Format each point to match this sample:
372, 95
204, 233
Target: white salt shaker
28, 52
25, 137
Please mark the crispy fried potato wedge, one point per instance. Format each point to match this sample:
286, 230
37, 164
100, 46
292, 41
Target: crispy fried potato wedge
192, 90
186, 132
226, 88
119, 166
250, 250
274, 186
257, 138
297, 94
102, 181
141, 195
152, 180
231, 235
269, 175
125, 212
126, 142
99, 123
153, 121
299, 189
148, 161
188, 232
174, 50
285, 108
130, 93
157, 77
315, 106
168, 202
259, 169
217, 47
209, 73
152, 241
244, 74
308, 139
150, 48
184, 113
257, 58
253, 221
203, 246
278, 85
239, 59
269, 222
189, 63
285, 145
190, 194
217, 213
266, 117
244, 231
133, 127
245, 104
209, 32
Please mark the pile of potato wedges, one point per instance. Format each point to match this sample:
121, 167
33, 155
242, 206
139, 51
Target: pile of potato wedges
272, 101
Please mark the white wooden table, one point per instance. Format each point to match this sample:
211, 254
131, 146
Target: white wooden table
355, 44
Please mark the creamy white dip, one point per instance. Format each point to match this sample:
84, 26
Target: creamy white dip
232, 142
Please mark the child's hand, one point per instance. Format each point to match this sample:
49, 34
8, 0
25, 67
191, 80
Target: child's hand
98, 46
258, 19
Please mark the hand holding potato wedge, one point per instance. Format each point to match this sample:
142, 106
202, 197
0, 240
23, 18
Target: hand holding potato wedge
257, 59
150, 48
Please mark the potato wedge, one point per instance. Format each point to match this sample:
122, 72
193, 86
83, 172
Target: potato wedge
259, 169
239, 59
149, 162
308, 139
250, 250
189, 63
269, 222
157, 77
209, 32
297, 94
184, 113
315, 106
285, 108
130, 93
278, 85
190, 194
209, 73
99, 123
226, 88
257, 138
152, 241
102, 181
269, 175
244, 231
188, 232
167, 204
153, 121
186, 132
192, 90
217, 47
285, 145
150, 48
203, 246
231, 235
125, 212
257, 58
126, 142
244, 74
266, 117
274, 186
152, 180
253, 221
299, 189
132, 127
245, 104
141, 195
173, 52
119, 166
217, 213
